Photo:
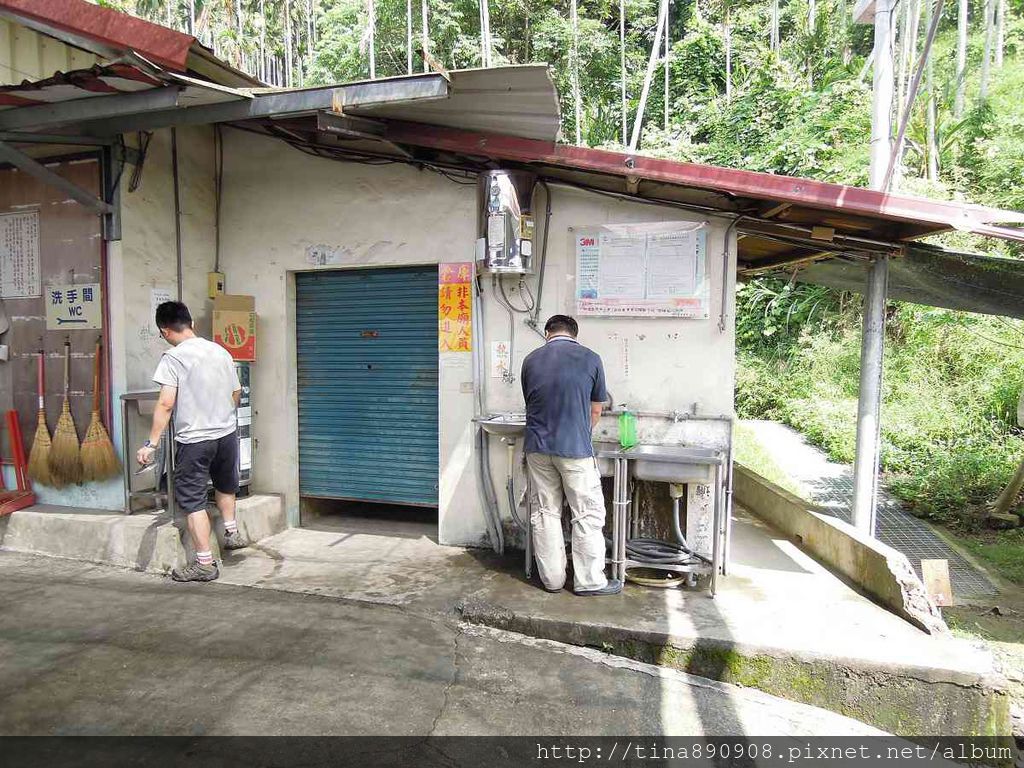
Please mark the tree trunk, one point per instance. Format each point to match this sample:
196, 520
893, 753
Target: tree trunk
1010, 492
485, 9
371, 26
905, 63
574, 71
773, 26
426, 35
652, 62
986, 55
622, 67
310, 26
727, 39
288, 43
961, 58
668, 56
931, 150
1000, 31
192, 17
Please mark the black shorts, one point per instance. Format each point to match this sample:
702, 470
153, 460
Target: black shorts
197, 463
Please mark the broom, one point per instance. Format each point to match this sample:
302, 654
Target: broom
99, 461
65, 454
38, 458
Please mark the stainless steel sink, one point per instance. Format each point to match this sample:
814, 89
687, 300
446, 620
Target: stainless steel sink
672, 463
503, 424
606, 452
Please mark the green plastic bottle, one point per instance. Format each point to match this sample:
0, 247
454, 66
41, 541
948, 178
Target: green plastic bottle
627, 428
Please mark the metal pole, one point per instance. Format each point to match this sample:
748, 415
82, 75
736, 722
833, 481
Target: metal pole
881, 109
869, 404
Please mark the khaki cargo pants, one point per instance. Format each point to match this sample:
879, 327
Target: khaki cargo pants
578, 480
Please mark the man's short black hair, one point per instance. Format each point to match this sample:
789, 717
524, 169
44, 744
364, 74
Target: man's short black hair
174, 316
562, 324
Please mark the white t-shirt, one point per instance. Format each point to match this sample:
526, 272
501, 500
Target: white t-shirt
205, 377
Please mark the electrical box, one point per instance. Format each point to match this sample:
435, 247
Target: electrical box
506, 223
214, 284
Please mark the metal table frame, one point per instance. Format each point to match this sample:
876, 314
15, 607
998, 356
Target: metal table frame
623, 509
127, 460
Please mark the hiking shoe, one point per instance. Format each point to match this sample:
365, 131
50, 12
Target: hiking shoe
196, 572
234, 540
613, 587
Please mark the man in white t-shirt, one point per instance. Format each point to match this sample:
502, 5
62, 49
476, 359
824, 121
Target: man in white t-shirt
199, 384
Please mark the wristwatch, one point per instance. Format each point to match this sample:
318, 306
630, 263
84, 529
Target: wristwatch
148, 444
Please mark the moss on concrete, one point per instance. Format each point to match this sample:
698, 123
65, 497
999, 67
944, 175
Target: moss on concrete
888, 701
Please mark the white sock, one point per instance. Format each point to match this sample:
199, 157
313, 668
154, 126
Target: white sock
230, 526
204, 558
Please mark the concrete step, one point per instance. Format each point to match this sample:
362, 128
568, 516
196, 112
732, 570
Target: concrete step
144, 542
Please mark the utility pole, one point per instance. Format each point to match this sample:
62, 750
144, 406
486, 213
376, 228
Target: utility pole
869, 404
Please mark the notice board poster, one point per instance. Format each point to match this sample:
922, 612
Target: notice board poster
642, 270
19, 256
454, 307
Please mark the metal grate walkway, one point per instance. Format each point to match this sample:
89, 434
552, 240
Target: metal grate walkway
830, 486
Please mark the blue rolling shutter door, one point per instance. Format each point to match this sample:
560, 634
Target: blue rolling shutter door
367, 376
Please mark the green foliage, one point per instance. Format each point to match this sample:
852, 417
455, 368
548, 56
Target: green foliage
1003, 550
949, 434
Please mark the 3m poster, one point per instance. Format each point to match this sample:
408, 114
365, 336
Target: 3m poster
19, 256
642, 270
454, 307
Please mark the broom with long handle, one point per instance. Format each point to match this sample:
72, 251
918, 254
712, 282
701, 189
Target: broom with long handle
65, 454
39, 457
99, 460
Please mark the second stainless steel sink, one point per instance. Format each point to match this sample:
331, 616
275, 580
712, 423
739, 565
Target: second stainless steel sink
672, 463
660, 463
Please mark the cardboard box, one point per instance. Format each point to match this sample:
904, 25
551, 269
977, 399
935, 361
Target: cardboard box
234, 325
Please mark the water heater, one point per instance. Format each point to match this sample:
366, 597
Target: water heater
506, 222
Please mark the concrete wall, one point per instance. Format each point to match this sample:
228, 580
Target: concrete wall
145, 257
278, 201
876, 569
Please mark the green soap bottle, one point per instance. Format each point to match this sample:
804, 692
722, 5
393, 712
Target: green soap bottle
627, 428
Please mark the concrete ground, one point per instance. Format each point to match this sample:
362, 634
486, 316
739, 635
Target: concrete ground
87, 649
776, 598
781, 622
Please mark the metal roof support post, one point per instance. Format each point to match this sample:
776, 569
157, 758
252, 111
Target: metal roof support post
869, 403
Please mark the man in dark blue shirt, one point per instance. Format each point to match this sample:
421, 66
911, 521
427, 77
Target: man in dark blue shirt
564, 388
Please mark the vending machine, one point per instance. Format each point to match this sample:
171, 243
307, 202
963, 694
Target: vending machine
244, 417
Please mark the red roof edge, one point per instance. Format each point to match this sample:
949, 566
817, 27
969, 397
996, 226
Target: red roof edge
166, 47
764, 186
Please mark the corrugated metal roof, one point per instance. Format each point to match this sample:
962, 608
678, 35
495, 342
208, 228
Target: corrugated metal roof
78, 84
112, 34
516, 100
116, 78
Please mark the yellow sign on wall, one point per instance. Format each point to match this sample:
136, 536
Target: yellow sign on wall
454, 307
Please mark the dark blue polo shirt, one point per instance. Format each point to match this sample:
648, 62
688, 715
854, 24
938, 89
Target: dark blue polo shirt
560, 381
